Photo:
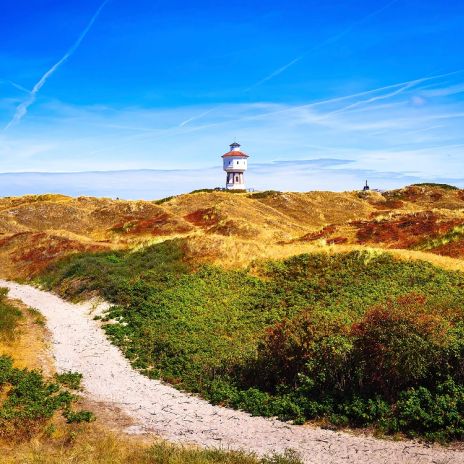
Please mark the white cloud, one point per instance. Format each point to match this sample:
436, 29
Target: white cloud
383, 135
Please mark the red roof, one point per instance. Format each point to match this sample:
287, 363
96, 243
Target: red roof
235, 153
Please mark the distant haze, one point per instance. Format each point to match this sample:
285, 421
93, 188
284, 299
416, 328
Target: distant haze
154, 184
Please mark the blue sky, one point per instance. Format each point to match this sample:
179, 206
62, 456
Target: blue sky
320, 94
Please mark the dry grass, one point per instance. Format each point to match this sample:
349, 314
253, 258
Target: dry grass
231, 252
95, 445
228, 229
30, 346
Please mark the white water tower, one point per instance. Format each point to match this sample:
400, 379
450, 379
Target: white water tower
235, 164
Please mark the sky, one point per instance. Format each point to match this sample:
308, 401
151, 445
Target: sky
140, 99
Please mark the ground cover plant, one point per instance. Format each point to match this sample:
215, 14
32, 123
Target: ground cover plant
27, 400
358, 339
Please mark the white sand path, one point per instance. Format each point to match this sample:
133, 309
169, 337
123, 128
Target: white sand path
79, 344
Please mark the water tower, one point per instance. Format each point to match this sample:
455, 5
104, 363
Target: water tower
235, 164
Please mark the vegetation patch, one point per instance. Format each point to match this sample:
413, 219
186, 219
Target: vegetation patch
94, 445
357, 339
204, 217
403, 231
432, 184
164, 200
28, 400
9, 317
264, 194
454, 235
70, 379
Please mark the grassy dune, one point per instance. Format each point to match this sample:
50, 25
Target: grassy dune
293, 338
36, 231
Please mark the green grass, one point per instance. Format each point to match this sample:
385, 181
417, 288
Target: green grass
264, 194
454, 235
358, 339
9, 317
432, 184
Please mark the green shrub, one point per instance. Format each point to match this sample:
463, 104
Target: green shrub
432, 184
436, 414
70, 379
78, 416
29, 401
264, 194
314, 336
164, 200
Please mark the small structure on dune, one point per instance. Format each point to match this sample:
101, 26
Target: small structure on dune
235, 164
366, 187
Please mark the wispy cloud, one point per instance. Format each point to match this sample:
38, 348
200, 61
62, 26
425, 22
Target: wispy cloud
22, 108
403, 87
444, 91
376, 131
328, 41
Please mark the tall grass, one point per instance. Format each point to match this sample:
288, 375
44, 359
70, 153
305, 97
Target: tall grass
94, 445
9, 316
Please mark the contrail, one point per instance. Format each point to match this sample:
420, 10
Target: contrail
332, 39
378, 97
194, 118
403, 87
15, 85
174, 131
297, 59
21, 110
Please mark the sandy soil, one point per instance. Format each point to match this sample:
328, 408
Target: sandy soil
79, 344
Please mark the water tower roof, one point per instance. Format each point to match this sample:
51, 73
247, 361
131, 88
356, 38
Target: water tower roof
236, 154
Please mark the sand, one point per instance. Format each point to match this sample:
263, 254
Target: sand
79, 344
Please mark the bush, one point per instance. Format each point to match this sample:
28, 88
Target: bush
438, 414
29, 400
398, 344
78, 416
313, 336
70, 379
264, 194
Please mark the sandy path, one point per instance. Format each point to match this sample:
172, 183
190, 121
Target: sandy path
79, 344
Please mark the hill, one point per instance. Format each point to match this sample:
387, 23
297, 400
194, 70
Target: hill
282, 304
230, 229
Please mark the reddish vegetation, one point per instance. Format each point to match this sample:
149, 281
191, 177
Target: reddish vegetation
435, 196
156, 225
452, 249
411, 193
403, 231
38, 250
389, 204
337, 240
377, 336
203, 217
325, 232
